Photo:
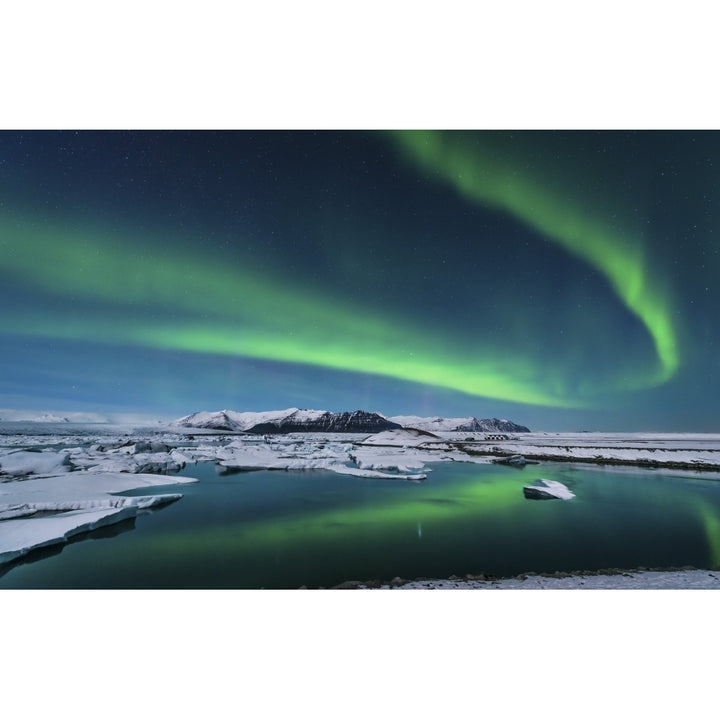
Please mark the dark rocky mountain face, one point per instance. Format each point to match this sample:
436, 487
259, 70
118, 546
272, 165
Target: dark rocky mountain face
358, 421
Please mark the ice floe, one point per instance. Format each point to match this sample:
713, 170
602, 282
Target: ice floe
23, 463
47, 510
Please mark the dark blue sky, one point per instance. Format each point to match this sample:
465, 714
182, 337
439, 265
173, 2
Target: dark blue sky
562, 279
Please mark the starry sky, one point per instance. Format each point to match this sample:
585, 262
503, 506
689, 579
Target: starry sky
562, 279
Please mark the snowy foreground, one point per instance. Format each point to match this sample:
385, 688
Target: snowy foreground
618, 580
58, 480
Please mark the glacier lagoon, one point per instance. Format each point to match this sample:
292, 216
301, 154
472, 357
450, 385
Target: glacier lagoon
286, 529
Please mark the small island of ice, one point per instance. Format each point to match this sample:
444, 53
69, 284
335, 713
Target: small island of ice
547, 490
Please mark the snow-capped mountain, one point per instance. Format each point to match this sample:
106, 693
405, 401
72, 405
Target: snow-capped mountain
466, 424
290, 420
295, 420
76, 417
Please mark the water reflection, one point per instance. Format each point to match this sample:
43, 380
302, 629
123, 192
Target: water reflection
283, 529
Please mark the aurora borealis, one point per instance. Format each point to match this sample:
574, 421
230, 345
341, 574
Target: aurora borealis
564, 280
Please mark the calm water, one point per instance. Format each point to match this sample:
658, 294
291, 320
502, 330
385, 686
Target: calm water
284, 529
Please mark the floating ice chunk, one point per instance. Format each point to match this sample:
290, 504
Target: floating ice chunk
113, 464
159, 463
21, 536
402, 438
391, 459
336, 457
547, 490
147, 501
180, 458
91, 504
78, 501
24, 462
358, 472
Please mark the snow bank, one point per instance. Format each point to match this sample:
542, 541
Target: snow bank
700, 451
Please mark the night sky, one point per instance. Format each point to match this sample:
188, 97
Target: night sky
564, 280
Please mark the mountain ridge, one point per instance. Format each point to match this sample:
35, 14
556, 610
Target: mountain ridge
303, 420
462, 424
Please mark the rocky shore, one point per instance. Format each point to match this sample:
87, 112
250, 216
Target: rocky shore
684, 578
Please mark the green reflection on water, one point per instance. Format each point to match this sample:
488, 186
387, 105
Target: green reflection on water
709, 517
285, 529
480, 499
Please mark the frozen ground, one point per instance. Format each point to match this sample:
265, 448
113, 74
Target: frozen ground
57, 479
645, 449
628, 580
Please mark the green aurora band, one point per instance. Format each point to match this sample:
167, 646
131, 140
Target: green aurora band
88, 284
123, 287
487, 180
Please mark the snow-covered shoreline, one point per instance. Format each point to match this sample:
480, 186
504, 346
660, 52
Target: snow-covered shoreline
655, 450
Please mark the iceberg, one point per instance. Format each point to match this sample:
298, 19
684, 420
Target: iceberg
547, 490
